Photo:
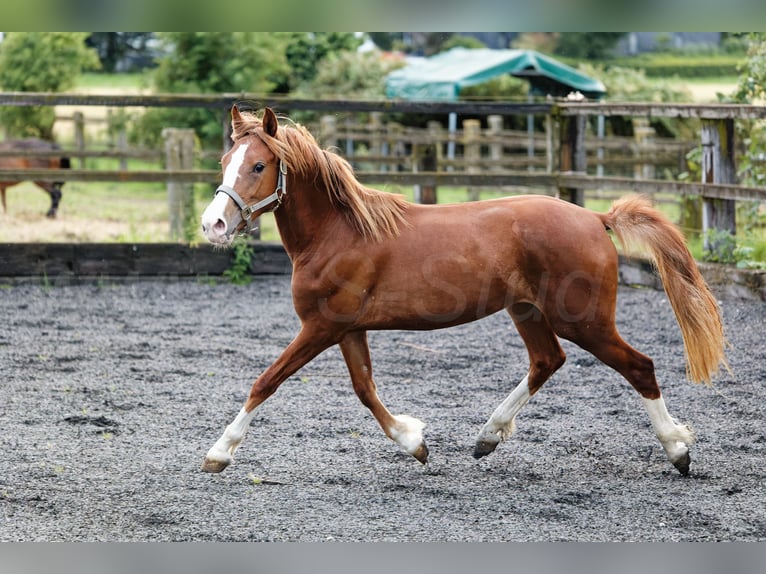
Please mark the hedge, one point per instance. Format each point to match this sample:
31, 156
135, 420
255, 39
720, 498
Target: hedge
668, 65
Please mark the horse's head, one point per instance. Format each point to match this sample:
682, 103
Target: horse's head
253, 180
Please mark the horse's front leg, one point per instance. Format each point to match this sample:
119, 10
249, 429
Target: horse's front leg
404, 430
307, 345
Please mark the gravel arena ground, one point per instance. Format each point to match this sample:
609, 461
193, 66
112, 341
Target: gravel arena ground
113, 392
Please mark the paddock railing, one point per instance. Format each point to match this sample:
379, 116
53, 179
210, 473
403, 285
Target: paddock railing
564, 158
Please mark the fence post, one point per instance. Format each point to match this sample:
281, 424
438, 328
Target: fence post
495, 129
472, 151
572, 154
328, 131
424, 159
122, 145
549, 144
179, 155
396, 146
79, 135
718, 166
376, 137
643, 134
436, 135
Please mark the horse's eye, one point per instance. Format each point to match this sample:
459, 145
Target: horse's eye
258, 167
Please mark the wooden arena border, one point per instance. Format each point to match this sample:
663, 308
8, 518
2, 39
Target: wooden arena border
76, 263
63, 263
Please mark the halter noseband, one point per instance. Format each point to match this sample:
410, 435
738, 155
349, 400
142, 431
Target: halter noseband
247, 211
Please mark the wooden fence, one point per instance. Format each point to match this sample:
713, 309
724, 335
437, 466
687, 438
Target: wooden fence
566, 159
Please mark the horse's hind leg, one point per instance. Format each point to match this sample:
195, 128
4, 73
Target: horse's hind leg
638, 369
54, 191
404, 430
545, 357
55, 200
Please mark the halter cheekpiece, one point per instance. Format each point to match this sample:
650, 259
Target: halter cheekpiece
247, 211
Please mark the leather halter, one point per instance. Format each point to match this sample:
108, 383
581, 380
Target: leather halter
247, 211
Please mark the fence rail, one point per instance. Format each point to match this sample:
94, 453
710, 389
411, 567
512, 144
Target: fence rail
505, 179
557, 161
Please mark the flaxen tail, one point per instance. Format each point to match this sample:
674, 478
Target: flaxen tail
637, 223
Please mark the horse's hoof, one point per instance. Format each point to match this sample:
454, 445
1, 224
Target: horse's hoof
213, 466
486, 445
51, 214
421, 453
682, 464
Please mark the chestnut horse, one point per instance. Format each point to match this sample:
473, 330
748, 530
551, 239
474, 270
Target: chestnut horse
25, 162
365, 259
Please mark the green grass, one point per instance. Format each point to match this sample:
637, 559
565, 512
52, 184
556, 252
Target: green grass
92, 82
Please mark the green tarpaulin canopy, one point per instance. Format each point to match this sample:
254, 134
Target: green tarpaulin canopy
441, 77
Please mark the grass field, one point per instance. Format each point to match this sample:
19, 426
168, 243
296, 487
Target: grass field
706, 90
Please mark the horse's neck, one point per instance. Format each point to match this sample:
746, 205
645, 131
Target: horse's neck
305, 216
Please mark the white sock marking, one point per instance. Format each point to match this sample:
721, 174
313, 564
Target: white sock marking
408, 433
502, 419
224, 447
675, 438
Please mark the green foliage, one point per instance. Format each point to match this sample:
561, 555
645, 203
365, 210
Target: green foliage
211, 62
233, 62
752, 88
665, 65
751, 256
239, 272
305, 51
504, 87
421, 43
40, 62
351, 75
719, 246
587, 45
114, 47
746, 252
632, 85
459, 41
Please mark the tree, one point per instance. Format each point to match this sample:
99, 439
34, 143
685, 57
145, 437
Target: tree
587, 45
211, 62
129, 49
40, 62
306, 50
218, 62
751, 87
416, 43
350, 75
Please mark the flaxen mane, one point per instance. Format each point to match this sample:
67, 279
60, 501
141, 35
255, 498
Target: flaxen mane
375, 214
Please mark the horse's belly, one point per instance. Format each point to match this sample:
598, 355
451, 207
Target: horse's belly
437, 301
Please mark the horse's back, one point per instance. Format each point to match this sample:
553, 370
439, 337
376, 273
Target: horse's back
518, 227
23, 161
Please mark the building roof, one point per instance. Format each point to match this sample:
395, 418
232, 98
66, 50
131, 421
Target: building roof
441, 77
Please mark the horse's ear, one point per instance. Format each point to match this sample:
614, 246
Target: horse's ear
270, 123
236, 118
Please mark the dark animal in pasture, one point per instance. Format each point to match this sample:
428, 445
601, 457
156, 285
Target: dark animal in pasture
365, 259
28, 162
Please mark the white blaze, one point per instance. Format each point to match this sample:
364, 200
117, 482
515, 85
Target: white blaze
231, 174
217, 208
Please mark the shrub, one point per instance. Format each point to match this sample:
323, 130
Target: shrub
40, 62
